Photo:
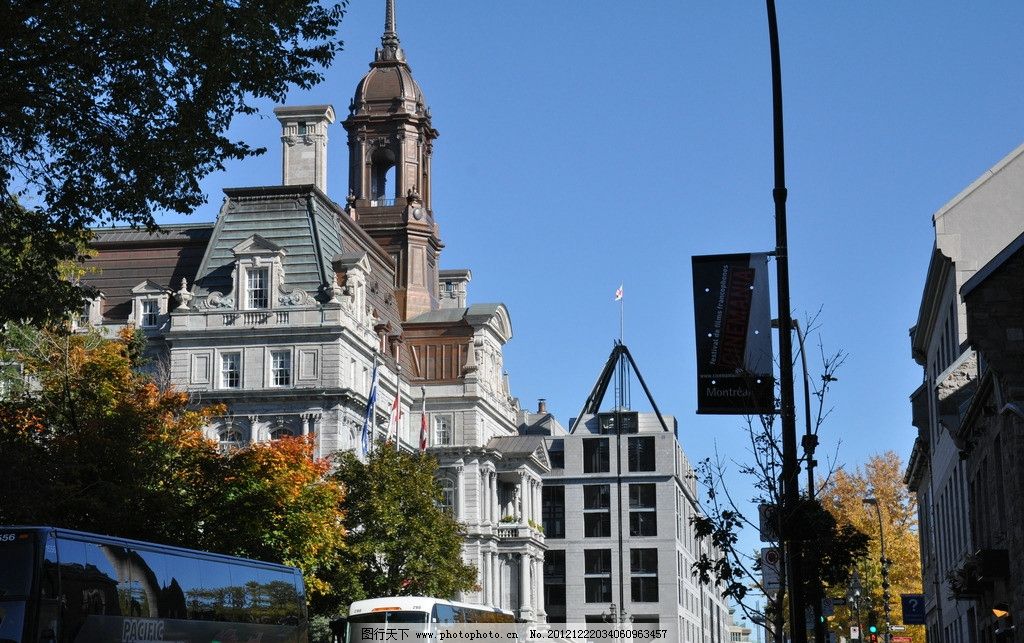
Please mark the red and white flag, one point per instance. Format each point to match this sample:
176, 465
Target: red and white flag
618, 293
423, 422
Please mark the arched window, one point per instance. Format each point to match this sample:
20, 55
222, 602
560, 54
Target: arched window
281, 432
229, 440
382, 177
447, 495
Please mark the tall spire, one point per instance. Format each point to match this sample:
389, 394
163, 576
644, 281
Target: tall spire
390, 49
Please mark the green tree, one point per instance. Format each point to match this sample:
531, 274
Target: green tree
401, 541
114, 111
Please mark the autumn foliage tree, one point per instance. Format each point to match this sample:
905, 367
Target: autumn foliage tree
89, 442
881, 477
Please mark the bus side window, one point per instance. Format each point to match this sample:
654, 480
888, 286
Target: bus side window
217, 596
50, 585
444, 613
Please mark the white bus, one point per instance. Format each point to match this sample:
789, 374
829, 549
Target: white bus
419, 612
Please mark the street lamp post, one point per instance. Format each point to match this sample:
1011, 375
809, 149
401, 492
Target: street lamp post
853, 595
885, 566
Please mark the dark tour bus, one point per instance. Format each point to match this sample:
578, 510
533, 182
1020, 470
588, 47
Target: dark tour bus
58, 585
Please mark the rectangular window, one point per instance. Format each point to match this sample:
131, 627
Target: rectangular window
595, 455
257, 288
442, 429
596, 511
641, 454
597, 561
281, 368
626, 422
230, 370
554, 577
553, 511
597, 524
150, 310
643, 515
596, 496
597, 570
556, 453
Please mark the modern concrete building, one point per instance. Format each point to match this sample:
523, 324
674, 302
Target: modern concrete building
617, 508
969, 232
281, 308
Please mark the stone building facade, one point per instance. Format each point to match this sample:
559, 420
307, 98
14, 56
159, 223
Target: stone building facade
281, 308
991, 438
970, 231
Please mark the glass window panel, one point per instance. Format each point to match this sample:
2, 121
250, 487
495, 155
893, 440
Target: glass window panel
598, 590
595, 455
257, 290
281, 368
231, 370
597, 525
641, 454
597, 561
642, 496
596, 496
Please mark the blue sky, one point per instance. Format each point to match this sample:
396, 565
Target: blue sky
588, 144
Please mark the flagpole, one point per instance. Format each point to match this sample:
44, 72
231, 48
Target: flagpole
423, 420
622, 306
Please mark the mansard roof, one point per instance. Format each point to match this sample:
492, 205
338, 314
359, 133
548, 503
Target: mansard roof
125, 257
296, 218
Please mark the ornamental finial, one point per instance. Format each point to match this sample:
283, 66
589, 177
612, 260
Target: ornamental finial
390, 49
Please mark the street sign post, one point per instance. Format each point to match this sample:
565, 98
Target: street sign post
828, 606
913, 609
771, 569
897, 628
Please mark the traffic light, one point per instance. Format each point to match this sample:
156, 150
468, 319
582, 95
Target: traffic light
873, 622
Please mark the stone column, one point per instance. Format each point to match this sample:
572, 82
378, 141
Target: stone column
494, 498
495, 580
524, 582
460, 493
538, 566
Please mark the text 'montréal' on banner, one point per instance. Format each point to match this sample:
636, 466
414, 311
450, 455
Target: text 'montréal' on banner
732, 317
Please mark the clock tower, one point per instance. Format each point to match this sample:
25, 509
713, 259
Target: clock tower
390, 141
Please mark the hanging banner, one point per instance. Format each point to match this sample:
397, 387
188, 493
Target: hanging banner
732, 318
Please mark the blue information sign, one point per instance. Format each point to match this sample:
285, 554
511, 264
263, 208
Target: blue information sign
913, 609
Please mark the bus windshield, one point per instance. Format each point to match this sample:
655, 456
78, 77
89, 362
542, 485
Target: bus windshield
16, 559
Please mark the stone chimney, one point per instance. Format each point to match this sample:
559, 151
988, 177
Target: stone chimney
542, 406
452, 287
304, 144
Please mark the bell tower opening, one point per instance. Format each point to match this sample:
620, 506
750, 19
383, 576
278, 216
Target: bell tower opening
382, 177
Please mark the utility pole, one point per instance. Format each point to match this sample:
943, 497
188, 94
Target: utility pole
790, 467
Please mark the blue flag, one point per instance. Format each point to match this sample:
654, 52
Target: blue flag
371, 406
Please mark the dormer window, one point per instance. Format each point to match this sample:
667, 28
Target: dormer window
150, 305
258, 288
150, 313
258, 274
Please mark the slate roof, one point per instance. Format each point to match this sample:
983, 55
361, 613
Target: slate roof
289, 216
126, 257
517, 445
